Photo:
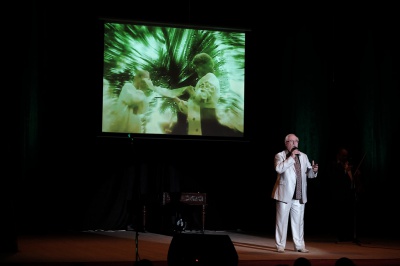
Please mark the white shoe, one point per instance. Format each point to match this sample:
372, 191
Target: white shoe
281, 250
303, 250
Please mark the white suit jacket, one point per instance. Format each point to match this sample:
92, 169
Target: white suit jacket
286, 176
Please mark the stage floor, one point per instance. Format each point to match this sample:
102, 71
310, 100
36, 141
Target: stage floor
122, 248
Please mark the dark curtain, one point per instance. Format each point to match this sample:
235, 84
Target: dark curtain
329, 77
339, 83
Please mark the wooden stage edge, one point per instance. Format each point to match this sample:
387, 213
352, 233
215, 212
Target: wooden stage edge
123, 248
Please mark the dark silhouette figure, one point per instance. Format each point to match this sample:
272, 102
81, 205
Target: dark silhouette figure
301, 261
344, 261
343, 183
144, 262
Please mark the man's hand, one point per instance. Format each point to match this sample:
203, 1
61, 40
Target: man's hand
190, 90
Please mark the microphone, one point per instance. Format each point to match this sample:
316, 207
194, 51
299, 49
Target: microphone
293, 149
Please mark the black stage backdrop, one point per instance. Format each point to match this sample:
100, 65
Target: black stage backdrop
331, 76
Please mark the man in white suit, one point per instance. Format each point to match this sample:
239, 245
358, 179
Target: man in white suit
290, 192
131, 106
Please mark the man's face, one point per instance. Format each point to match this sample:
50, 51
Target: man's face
139, 83
291, 142
343, 155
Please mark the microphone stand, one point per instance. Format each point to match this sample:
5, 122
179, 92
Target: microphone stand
137, 245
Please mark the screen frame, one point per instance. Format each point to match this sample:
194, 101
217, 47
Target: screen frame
244, 136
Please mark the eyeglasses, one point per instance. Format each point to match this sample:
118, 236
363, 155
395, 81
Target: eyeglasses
292, 141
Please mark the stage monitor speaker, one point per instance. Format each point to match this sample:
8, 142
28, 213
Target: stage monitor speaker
202, 249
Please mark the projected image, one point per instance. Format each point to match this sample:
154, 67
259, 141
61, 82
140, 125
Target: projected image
173, 80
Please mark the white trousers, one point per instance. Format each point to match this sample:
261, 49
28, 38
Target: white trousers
296, 212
